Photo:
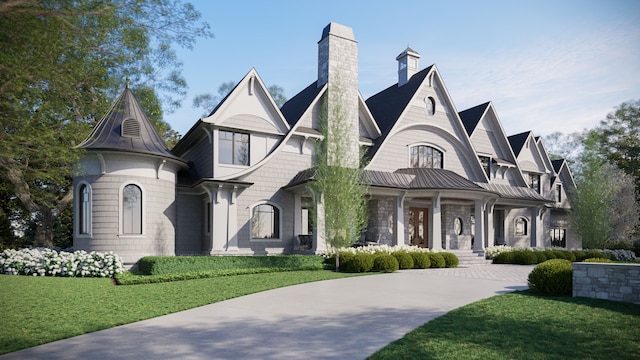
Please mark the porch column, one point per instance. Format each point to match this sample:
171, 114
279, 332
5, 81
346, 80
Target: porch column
232, 211
435, 233
491, 231
478, 241
220, 218
537, 228
319, 236
399, 215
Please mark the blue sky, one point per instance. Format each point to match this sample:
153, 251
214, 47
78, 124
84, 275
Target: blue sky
547, 66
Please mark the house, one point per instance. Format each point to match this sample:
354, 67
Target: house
237, 182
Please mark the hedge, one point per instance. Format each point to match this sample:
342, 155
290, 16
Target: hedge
160, 265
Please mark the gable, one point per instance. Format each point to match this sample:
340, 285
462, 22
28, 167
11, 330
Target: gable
530, 159
249, 107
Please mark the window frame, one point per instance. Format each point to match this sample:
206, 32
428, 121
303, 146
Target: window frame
84, 214
276, 224
236, 143
121, 210
525, 229
487, 168
558, 237
537, 183
559, 193
420, 155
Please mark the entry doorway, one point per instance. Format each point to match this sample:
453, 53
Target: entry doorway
418, 221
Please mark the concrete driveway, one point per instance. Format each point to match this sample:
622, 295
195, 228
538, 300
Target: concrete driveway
337, 319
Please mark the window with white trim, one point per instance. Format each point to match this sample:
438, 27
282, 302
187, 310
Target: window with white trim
521, 226
132, 209
233, 148
485, 161
84, 209
559, 193
265, 222
423, 156
534, 182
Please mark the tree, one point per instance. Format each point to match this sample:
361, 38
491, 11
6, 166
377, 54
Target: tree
62, 62
603, 212
565, 146
207, 102
339, 186
619, 139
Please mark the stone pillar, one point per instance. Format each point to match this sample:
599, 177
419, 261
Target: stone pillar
435, 233
478, 242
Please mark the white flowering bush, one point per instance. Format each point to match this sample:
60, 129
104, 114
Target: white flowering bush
492, 251
49, 262
372, 249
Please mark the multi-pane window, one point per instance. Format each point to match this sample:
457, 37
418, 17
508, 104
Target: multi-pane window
84, 220
485, 161
558, 237
534, 182
265, 222
234, 148
521, 226
131, 210
423, 156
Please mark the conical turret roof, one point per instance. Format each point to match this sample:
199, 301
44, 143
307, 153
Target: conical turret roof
126, 127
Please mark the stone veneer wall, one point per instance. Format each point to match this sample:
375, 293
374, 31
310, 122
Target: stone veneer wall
449, 214
619, 282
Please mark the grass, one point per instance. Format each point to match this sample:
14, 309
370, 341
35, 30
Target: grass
38, 310
524, 326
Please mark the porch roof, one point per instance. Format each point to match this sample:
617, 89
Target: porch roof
515, 192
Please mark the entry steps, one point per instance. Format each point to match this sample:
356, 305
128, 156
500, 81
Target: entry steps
470, 257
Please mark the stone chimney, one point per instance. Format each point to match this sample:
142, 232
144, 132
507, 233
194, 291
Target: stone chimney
338, 68
407, 65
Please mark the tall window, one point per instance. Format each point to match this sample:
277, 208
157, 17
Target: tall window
559, 237
84, 201
521, 226
485, 161
265, 222
423, 156
534, 182
234, 148
131, 210
559, 192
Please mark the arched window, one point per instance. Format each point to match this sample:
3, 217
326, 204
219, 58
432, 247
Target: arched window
423, 156
521, 226
131, 210
265, 222
430, 104
84, 209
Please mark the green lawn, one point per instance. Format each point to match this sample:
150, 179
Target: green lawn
523, 326
38, 310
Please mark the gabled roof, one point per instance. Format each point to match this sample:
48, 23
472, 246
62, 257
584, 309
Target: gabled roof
471, 117
297, 105
138, 134
387, 105
517, 141
557, 165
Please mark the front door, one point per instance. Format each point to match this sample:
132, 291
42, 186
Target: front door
418, 227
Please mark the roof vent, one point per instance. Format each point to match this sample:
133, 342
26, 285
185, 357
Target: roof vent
130, 128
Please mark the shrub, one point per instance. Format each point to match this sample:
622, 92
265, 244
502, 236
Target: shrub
525, 257
580, 255
540, 256
405, 261
450, 260
549, 254
157, 265
437, 261
505, 258
385, 263
598, 260
552, 277
358, 263
620, 255
594, 254
49, 262
560, 254
420, 260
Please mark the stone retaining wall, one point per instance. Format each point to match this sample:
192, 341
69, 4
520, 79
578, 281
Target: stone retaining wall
619, 282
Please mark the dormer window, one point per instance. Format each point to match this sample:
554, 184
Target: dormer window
485, 161
234, 148
534, 182
130, 128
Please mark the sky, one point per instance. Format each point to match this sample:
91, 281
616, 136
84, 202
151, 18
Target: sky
547, 66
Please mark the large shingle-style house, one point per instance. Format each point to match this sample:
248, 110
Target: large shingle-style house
237, 182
